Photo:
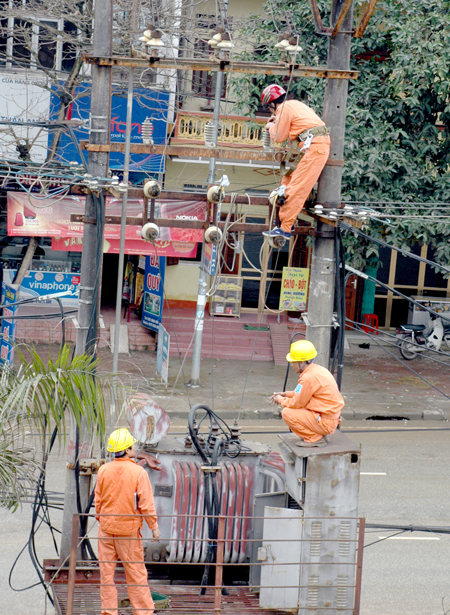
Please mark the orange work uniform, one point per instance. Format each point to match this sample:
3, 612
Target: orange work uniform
123, 488
291, 119
313, 409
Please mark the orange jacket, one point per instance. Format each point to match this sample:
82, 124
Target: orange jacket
292, 118
317, 391
117, 484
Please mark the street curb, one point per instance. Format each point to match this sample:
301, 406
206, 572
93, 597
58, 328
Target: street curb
434, 414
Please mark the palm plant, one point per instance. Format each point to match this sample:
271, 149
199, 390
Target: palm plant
43, 397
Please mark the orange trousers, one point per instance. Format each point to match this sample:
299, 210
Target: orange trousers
304, 423
131, 554
300, 183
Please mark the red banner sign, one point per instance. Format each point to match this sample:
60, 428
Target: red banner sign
29, 216
181, 249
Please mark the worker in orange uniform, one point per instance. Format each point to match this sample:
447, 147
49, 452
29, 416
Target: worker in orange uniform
313, 409
123, 488
310, 149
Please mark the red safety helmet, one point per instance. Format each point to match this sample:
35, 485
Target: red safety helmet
271, 92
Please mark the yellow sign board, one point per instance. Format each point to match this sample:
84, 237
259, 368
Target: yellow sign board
294, 289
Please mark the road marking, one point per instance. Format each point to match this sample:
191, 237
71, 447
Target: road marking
374, 473
408, 538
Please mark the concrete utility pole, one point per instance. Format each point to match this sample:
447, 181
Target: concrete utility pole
323, 264
202, 281
92, 256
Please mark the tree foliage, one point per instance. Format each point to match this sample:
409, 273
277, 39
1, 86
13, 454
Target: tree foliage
398, 119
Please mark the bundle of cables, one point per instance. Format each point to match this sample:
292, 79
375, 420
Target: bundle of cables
217, 440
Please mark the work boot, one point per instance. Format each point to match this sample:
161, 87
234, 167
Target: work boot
318, 444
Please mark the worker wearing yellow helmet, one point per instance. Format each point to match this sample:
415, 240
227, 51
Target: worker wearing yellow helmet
123, 498
313, 409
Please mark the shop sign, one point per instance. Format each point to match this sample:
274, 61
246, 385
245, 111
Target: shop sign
152, 309
10, 294
294, 289
162, 354
147, 103
25, 99
40, 283
179, 249
31, 217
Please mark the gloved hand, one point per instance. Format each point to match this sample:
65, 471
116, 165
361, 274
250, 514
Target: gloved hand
270, 121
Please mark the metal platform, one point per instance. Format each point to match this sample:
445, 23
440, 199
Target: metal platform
339, 444
185, 599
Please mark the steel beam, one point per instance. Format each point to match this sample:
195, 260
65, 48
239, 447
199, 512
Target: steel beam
342, 16
320, 28
226, 153
362, 25
238, 227
227, 66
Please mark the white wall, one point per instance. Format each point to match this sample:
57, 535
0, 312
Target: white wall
181, 281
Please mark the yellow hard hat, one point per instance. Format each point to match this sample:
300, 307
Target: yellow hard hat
120, 440
301, 351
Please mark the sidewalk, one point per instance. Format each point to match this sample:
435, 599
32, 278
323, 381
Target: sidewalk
374, 384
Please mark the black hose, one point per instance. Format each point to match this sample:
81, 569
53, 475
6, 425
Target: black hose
210, 451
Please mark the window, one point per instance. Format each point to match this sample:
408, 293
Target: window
40, 43
204, 83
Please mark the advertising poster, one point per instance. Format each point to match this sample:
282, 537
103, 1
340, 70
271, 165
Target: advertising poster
147, 103
39, 283
10, 295
25, 98
52, 218
139, 247
294, 289
162, 354
152, 309
139, 288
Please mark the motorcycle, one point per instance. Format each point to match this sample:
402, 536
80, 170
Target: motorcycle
414, 339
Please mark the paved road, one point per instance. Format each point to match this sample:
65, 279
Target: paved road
405, 480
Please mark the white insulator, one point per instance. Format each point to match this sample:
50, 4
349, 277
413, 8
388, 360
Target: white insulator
147, 131
348, 208
212, 43
214, 194
210, 134
267, 144
152, 189
318, 209
122, 187
213, 234
277, 242
150, 231
155, 42
115, 180
333, 215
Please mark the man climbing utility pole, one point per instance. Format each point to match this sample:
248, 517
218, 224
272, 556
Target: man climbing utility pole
322, 281
91, 262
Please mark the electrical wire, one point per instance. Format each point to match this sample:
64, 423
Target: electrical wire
356, 325
348, 227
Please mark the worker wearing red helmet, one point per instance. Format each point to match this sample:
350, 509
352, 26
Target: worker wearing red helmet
122, 494
313, 409
292, 119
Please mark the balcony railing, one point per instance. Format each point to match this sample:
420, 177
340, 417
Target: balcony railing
233, 129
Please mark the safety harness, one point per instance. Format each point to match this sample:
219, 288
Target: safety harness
294, 155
